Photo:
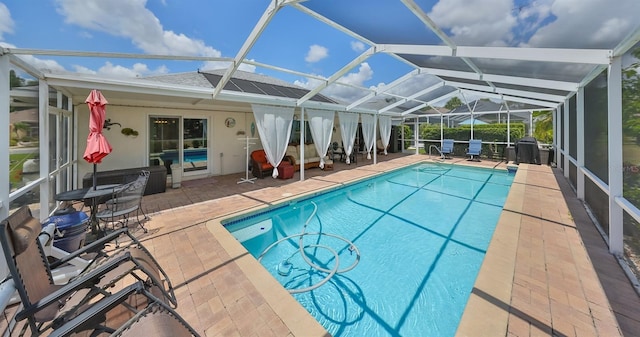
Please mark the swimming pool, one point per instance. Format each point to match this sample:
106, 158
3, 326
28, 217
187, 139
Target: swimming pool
416, 239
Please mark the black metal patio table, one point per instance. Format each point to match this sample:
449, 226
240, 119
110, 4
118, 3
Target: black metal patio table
91, 196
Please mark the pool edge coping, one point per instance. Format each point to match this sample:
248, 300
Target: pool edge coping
289, 310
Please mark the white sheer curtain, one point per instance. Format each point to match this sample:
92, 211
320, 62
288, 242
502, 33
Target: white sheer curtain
348, 127
274, 127
384, 124
321, 125
368, 132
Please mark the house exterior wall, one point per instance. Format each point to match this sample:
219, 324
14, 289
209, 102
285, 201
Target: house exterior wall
226, 150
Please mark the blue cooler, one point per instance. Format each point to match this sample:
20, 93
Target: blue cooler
71, 228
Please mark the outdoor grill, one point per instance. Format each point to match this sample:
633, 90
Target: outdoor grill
527, 151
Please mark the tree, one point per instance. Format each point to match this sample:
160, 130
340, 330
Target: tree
20, 130
543, 131
631, 99
453, 103
14, 80
408, 135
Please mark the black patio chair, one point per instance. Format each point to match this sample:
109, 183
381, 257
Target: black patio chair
46, 305
134, 311
125, 200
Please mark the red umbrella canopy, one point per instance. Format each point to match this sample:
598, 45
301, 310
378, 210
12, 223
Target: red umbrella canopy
97, 145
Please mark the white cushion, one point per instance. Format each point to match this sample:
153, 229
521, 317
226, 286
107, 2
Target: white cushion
293, 152
310, 151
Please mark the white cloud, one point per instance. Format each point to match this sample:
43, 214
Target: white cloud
107, 70
213, 65
540, 23
586, 24
341, 92
487, 22
364, 73
610, 30
117, 71
247, 67
131, 19
316, 53
357, 46
6, 22
45, 65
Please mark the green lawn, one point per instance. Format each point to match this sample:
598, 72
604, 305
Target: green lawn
15, 166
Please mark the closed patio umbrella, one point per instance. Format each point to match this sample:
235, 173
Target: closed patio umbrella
97, 145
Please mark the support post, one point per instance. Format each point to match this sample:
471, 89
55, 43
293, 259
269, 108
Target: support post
565, 138
614, 134
580, 142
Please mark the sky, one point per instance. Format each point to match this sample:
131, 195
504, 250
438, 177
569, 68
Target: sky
293, 39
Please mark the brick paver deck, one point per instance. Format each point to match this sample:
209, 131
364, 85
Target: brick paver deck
547, 271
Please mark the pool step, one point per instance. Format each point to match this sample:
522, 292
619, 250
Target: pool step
253, 231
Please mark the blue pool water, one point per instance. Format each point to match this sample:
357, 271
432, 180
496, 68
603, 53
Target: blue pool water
189, 155
420, 233
192, 159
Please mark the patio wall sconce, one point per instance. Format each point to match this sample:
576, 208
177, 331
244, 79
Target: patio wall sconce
107, 124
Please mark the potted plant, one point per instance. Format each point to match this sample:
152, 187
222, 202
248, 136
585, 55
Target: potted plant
129, 132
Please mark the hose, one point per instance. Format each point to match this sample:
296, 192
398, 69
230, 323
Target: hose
301, 248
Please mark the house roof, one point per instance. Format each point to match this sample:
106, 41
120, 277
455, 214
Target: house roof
241, 81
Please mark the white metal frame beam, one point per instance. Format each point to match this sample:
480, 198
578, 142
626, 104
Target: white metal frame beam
417, 11
563, 55
412, 97
512, 92
524, 81
74, 53
386, 88
142, 87
424, 105
337, 75
544, 104
266, 17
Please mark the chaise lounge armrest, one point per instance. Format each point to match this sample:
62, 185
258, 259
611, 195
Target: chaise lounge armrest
85, 281
149, 316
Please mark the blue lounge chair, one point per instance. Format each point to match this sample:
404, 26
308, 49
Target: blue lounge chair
475, 145
447, 148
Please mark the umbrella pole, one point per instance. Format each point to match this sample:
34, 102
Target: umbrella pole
94, 207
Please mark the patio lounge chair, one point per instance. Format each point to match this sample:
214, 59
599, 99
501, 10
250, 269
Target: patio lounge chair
133, 311
334, 151
380, 148
125, 200
353, 158
447, 148
260, 166
475, 145
46, 305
